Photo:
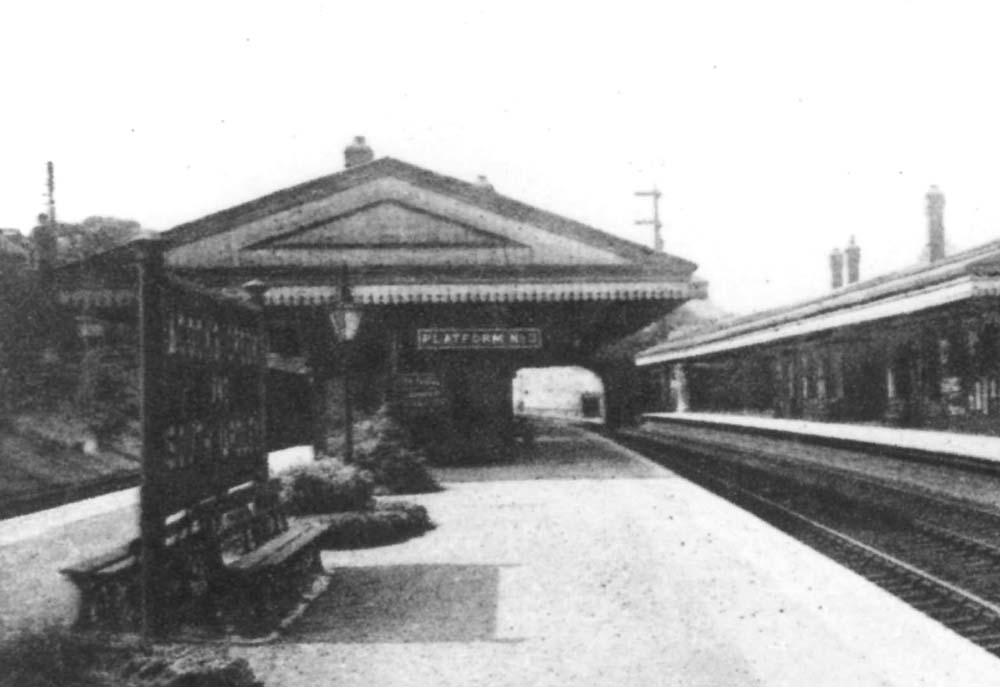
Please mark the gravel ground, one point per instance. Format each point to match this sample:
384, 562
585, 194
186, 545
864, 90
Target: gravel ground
621, 581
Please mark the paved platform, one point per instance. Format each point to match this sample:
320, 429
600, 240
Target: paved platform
33, 547
938, 478
559, 451
630, 578
977, 446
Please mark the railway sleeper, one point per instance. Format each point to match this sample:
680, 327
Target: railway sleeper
916, 597
973, 631
955, 621
988, 637
942, 610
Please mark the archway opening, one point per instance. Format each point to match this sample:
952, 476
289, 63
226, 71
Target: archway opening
572, 393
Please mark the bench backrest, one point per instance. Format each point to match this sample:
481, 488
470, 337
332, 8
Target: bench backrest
246, 517
233, 524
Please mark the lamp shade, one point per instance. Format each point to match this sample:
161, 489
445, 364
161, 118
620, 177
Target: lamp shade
346, 320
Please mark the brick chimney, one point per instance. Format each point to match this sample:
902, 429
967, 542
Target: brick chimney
935, 224
358, 153
853, 253
836, 268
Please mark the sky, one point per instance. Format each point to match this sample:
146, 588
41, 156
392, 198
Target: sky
775, 130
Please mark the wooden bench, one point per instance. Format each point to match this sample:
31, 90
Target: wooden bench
234, 558
273, 561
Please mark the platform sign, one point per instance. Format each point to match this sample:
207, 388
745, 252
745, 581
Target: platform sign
478, 339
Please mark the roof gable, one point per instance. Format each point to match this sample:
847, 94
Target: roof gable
387, 223
465, 216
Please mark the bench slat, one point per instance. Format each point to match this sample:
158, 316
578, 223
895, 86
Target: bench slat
95, 563
277, 550
222, 534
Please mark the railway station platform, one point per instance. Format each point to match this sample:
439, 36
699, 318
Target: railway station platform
964, 467
581, 563
975, 446
34, 546
597, 567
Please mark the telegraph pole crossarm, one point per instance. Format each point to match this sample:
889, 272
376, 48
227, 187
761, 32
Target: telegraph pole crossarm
655, 194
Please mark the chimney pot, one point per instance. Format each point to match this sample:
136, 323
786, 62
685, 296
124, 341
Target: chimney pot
836, 268
358, 153
935, 224
483, 182
853, 253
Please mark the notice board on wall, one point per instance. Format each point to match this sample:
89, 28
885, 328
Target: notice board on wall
417, 391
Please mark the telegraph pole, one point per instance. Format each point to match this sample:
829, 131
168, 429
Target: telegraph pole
51, 187
657, 225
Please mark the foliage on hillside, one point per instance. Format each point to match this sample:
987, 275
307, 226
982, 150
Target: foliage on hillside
61, 398
689, 317
75, 241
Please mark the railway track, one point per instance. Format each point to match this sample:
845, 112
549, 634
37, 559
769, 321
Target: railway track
929, 552
16, 505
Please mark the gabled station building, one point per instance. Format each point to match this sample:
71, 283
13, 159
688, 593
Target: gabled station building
918, 348
458, 287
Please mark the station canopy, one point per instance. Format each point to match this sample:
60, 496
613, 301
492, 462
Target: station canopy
409, 235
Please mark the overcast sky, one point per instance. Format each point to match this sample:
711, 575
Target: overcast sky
775, 130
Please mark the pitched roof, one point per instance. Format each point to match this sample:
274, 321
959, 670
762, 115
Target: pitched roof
472, 194
894, 294
294, 238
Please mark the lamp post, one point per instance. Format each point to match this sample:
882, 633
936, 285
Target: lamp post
91, 331
346, 320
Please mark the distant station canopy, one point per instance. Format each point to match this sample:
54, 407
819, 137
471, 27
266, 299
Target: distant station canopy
919, 347
460, 285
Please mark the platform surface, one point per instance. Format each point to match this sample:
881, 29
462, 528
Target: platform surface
968, 445
937, 478
622, 578
33, 547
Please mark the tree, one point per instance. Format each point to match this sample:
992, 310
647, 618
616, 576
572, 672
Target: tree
38, 340
93, 235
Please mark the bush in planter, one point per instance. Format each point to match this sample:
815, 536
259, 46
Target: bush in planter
383, 448
399, 470
386, 523
325, 486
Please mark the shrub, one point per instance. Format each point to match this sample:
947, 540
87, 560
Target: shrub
325, 486
384, 449
387, 523
399, 470
52, 657
58, 657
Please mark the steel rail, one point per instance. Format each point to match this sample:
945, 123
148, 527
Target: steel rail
969, 614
